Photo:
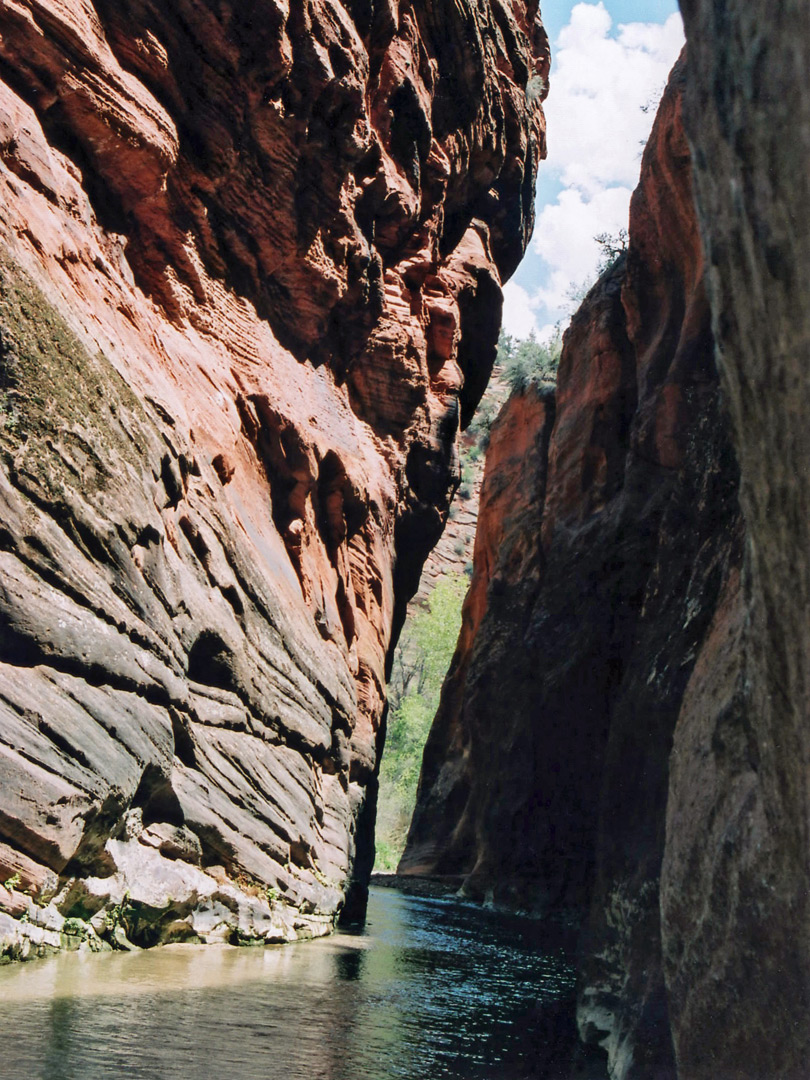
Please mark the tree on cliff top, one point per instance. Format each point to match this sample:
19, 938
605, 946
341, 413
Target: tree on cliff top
528, 360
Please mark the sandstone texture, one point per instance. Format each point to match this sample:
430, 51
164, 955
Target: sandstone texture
249, 287
736, 874
606, 582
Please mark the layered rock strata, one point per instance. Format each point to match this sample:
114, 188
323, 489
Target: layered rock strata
607, 568
249, 286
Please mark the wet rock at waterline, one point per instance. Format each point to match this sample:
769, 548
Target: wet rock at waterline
249, 285
609, 544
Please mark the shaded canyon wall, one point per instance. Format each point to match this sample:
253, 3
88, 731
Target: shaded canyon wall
624, 730
736, 874
609, 540
249, 286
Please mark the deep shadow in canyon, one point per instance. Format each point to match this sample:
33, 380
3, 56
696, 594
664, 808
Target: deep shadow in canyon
623, 728
609, 529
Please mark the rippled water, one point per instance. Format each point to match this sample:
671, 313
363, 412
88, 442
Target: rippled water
427, 990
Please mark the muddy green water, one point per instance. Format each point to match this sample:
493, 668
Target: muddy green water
426, 990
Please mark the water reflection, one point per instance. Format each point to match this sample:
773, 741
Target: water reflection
349, 966
427, 990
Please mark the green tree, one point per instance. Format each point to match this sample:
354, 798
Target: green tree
529, 360
612, 246
420, 664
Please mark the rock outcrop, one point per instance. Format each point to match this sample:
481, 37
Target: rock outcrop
249, 286
607, 568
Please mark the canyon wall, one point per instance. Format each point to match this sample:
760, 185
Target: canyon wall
736, 874
606, 564
249, 287
623, 734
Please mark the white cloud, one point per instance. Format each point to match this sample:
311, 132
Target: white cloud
518, 317
604, 91
565, 233
598, 85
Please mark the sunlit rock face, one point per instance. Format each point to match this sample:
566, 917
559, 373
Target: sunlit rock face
250, 284
606, 581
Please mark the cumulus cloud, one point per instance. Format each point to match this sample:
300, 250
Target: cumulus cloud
518, 317
599, 85
605, 86
565, 239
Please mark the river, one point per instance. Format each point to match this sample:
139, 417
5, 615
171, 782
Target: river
427, 990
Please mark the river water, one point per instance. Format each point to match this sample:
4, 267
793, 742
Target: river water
427, 990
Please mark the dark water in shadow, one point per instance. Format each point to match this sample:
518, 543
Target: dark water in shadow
428, 990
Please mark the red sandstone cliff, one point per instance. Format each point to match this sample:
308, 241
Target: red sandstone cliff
609, 544
249, 284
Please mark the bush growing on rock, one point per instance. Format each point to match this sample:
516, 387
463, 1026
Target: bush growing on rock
528, 360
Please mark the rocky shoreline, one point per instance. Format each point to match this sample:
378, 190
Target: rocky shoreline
154, 896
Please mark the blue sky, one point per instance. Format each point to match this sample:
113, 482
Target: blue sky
610, 61
556, 13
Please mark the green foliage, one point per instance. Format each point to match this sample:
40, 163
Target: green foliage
12, 882
387, 856
53, 390
322, 879
612, 247
75, 927
576, 293
420, 665
48, 380
482, 422
529, 361
120, 915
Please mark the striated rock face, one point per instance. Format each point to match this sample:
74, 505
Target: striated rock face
606, 576
736, 876
249, 285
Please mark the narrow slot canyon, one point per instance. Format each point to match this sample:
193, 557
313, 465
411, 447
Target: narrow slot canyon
382, 695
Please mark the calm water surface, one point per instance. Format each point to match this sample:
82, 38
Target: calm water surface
427, 990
